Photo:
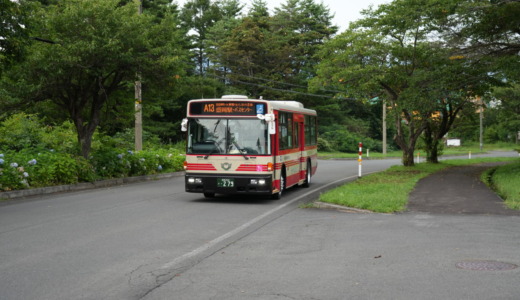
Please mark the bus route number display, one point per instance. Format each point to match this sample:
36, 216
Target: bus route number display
227, 108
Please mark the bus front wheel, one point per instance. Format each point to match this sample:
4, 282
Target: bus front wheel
308, 175
278, 195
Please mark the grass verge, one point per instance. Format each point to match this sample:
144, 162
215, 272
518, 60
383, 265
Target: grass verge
387, 191
505, 181
464, 150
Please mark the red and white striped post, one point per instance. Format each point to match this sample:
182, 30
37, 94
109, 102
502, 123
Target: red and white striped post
360, 158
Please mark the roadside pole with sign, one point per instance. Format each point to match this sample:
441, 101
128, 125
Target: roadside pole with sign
360, 158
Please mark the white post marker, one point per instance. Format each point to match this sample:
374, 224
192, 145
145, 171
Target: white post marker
360, 158
470, 155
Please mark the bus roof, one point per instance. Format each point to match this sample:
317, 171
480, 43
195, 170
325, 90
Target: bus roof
284, 105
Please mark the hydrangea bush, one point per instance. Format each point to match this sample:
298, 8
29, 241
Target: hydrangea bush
33, 155
111, 163
30, 169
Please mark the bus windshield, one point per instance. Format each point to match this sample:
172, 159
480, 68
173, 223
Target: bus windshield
228, 136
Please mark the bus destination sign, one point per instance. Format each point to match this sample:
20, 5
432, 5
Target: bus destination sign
228, 108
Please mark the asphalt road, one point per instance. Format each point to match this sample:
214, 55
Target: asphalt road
152, 240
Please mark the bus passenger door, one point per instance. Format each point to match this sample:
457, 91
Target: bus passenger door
300, 143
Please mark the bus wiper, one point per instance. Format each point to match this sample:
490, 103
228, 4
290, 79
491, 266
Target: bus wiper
239, 150
213, 149
210, 152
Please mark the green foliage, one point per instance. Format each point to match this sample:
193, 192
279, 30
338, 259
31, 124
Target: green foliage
400, 52
388, 191
345, 141
20, 131
23, 131
94, 50
115, 163
324, 145
31, 168
505, 180
13, 32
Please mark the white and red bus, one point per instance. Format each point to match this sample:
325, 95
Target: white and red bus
237, 145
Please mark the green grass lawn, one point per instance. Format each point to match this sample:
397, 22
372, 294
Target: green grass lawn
465, 149
505, 180
388, 191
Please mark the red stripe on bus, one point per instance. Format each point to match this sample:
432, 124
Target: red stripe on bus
201, 167
252, 168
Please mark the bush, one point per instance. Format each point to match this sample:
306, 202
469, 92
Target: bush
31, 169
348, 142
324, 145
27, 169
113, 163
34, 155
62, 138
21, 131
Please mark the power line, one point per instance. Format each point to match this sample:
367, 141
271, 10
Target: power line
285, 83
277, 89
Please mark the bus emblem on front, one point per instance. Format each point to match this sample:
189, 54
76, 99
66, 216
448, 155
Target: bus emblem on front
226, 166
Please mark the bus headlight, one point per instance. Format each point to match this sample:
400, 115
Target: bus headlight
257, 181
193, 180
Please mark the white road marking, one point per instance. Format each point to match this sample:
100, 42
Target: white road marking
244, 226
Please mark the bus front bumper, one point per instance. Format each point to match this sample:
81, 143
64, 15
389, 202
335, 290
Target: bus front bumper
229, 184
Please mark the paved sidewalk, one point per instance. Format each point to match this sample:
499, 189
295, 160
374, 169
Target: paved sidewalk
457, 190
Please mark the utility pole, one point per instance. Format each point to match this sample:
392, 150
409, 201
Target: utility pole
138, 116
481, 125
138, 104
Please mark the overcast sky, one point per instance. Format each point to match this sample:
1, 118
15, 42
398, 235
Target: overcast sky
344, 11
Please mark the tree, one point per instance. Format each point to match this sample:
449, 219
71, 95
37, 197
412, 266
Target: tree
97, 48
458, 82
13, 34
395, 52
503, 115
198, 16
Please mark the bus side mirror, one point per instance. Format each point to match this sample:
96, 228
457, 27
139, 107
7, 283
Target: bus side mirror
269, 118
272, 127
184, 125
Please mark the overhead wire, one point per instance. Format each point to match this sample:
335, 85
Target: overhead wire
278, 89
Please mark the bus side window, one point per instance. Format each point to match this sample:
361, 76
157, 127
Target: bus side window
285, 130
296, 135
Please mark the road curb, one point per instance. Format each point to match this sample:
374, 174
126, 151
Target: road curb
324, 205
85, 185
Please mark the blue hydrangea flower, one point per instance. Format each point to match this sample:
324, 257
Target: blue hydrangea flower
32, 162
25, 174
159, 168
1, 161
120, 156
1, 155
130, 152
14, 165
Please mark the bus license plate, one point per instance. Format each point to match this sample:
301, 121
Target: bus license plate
225, 182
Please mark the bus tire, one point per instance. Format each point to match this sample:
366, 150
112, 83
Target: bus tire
209, 195
278, 195
308, 175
